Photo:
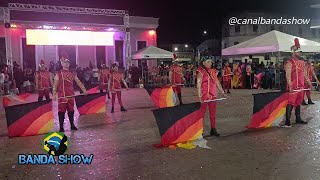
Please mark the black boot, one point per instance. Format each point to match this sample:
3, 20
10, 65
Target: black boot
214, 132
304, 102
40, 99
180, 98
288, 115
71, 119
61, 121
123, 109
101, 91
310, 102
298, 117
112, 110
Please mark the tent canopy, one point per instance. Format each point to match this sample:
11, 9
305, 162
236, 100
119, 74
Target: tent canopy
152, 52
273, 41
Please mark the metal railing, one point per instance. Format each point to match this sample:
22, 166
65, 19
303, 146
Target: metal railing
162, 78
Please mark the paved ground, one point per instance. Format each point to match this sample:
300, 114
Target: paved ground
122, 146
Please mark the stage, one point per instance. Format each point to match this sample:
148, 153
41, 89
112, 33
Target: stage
32, 33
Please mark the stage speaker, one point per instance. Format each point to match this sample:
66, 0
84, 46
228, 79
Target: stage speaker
7, 25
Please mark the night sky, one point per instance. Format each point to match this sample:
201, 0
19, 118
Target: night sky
184, 21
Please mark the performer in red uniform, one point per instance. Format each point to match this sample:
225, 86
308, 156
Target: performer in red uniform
296, 77
63, 88
115, 86
176, 79
43, 82
311, 74
226, 77
104, 75
207, 84
249, 72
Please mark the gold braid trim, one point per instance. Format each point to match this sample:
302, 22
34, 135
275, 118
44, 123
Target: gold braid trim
55, 84
288, 69
306, 78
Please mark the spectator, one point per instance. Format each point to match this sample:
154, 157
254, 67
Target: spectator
87, 77
28, 80
135, 74
2, 78
15, 66
188, 76
7, 81
18, 77
269, 78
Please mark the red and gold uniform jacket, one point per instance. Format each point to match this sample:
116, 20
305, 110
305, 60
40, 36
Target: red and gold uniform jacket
43, 79
208, 86
65, 84
226, 74
176, 77
297, 73
309, 71
115, 80
104, 76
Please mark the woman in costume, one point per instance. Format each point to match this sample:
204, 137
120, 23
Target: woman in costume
207, 84
236, 75
114, 86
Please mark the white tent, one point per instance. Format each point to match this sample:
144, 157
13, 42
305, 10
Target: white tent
152, 52
273, 41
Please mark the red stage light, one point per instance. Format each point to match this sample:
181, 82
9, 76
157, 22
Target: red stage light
152, 32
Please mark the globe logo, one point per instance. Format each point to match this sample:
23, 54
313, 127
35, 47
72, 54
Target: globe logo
55, 143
